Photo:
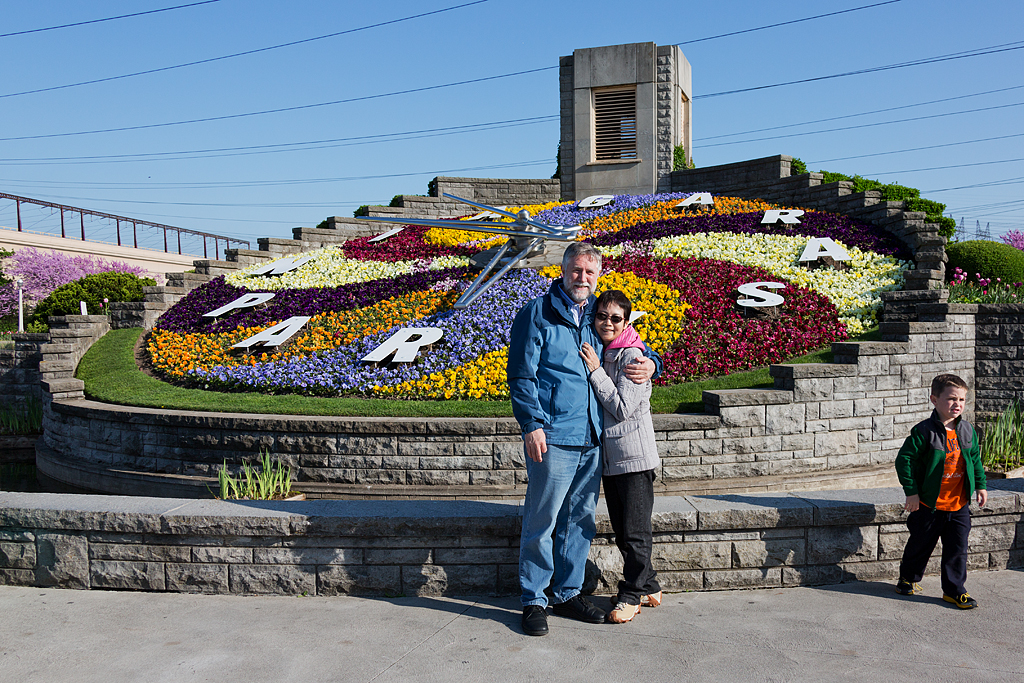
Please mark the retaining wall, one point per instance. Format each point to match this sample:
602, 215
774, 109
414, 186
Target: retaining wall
818, 419
462, 547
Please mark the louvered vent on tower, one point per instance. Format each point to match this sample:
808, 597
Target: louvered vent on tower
615, 123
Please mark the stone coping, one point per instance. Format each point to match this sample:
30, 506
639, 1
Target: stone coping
130, 514
347, 424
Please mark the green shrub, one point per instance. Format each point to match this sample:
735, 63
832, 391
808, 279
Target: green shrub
92, 289
432, 187
832, 177
363, 210
323, 225
557, 175
797, 167
679, 159
396, 201
991, 259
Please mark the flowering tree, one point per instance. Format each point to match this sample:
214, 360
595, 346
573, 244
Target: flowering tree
45, 271
1015, 238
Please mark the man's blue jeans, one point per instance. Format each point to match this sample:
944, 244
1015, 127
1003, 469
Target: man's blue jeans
561, 498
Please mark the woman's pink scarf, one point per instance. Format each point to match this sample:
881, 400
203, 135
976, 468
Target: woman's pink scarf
627, 338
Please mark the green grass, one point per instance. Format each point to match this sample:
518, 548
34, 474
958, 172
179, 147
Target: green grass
111, 376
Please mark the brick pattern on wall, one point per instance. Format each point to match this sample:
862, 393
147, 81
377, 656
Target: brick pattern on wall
852, 413
434, 548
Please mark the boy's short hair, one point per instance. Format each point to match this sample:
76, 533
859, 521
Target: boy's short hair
614, 296
940, 383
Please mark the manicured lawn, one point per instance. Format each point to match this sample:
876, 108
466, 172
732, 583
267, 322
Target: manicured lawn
110, 375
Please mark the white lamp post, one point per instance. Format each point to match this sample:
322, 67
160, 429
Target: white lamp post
21, 306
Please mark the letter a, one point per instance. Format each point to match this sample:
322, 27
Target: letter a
403, 344
699, 198
823, 246
276, 335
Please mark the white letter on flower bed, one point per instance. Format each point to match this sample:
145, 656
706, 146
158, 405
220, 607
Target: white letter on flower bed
788, 216
699, 198
403, 345
761, 298
485, 215
244, 301
281, 266
384, 236
276, 335
823, 246
595, 201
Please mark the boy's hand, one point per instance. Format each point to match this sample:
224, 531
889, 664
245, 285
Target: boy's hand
914, 502
982, 497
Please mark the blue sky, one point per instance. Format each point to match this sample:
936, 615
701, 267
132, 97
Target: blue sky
248, 195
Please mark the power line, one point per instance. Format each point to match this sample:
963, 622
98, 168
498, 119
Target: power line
866, 125
786, 23
242, 54
279, 110
1005, 47
991, 183
98, 21
918, 149
942, 168
864, 113
294, 181
286, 146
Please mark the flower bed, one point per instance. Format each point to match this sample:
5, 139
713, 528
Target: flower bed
681, 270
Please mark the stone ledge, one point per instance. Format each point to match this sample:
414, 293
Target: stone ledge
724, 398
811, 370
469, 547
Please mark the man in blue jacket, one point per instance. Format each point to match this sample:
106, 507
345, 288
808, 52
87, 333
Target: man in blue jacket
561, 422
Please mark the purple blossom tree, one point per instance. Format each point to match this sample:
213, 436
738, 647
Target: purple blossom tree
45, 271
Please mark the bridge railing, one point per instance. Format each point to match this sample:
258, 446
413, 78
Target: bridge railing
38, 216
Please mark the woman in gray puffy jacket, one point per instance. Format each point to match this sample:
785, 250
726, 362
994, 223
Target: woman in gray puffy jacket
629, 452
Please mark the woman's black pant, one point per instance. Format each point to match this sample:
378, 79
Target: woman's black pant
630, 500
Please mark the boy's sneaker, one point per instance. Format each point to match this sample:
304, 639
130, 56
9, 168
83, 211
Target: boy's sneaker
963, 601
904, 587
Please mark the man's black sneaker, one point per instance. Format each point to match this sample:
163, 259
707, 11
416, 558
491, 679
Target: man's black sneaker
963, 601
904, 587
535, 621
581, 609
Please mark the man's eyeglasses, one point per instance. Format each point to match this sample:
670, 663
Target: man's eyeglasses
616, 319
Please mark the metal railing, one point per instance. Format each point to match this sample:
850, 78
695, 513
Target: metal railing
135, 224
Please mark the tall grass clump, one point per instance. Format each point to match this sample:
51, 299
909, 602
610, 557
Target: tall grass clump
1002, 445
24, 418
269, 481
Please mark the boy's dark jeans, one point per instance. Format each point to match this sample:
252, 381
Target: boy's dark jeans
630, 499
926, 527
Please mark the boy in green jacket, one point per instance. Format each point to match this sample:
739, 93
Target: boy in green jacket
939, 467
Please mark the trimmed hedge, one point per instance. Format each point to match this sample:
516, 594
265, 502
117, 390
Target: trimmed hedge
92, 289
990, 259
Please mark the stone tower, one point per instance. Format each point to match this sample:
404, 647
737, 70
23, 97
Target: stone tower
624, 108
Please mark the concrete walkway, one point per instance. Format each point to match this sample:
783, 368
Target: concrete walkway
851, 632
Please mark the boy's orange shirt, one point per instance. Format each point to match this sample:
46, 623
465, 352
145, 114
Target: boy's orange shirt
951, 492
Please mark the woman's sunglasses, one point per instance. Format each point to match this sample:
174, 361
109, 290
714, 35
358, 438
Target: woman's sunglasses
616, 319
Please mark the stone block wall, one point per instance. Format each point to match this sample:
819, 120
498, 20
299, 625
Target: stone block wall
19, 368
999, 368
852, 414
430, 548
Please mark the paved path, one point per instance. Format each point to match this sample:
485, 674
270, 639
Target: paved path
851, 632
